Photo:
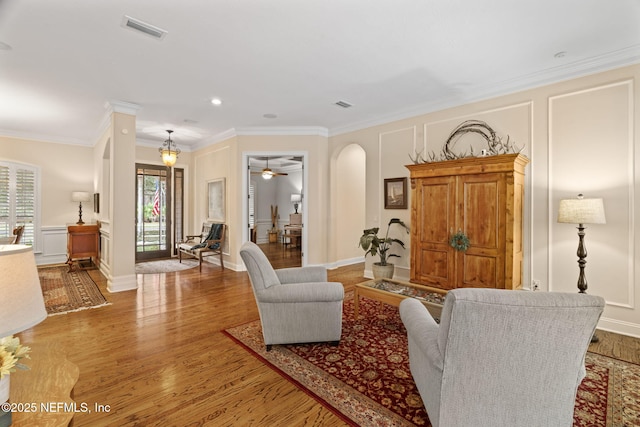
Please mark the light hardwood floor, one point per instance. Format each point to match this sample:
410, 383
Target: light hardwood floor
157, 356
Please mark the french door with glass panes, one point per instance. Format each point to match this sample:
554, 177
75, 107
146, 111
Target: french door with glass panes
153, 212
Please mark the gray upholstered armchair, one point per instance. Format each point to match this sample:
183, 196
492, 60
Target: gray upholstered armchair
296, 305
501, 358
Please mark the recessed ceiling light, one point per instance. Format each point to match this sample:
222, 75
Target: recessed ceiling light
190, 121
560, 54
216, 101
270, 116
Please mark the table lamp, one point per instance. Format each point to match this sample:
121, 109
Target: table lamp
296, 199
581, 211
21, 302
80, 196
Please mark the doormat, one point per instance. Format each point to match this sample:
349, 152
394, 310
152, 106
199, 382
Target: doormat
165, 265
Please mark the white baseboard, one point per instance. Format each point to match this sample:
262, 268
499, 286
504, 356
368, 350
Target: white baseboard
619, 327
344, 262
122, 283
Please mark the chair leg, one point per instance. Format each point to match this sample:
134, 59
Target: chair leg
334, 343
268, 347
200, 264
221, 260
180, 255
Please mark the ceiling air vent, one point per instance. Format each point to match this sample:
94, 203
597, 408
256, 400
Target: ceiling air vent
343, 104
148, 29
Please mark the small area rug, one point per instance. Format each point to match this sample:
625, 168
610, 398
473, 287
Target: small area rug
165, 265
65, 291
366, 379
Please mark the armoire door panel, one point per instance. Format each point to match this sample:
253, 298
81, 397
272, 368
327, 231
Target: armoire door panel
479, 272
480, 201
436, 268
436, 202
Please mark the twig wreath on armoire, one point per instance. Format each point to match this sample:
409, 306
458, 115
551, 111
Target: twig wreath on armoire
495, 144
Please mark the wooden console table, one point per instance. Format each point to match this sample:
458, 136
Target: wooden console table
48, 384
83, 241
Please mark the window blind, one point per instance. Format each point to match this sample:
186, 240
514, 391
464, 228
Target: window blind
18, 192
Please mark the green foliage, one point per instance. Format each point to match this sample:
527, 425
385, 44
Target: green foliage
374, 245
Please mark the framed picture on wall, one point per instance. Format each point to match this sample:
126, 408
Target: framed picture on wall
395, 193
216, 191
96, 202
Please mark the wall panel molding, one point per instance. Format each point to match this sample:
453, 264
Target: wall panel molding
595, 123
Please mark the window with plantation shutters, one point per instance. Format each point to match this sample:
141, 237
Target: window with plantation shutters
18, 192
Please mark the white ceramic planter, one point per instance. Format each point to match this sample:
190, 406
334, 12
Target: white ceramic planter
382, 271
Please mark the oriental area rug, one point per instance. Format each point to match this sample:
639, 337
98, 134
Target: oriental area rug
65, 291
367, 382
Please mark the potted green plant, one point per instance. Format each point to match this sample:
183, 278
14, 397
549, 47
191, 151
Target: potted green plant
374, 245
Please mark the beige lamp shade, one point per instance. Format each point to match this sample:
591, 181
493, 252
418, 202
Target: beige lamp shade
581, 211
21, 302
80, 196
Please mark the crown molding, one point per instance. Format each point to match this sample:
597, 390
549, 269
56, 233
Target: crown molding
115, 106
44, 138
283, 130
261, 131
588, 66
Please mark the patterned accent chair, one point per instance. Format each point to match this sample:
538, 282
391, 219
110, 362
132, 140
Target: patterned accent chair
296, 305
209, 242
501, 357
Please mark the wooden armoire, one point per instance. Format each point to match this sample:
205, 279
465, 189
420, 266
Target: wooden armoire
481, 197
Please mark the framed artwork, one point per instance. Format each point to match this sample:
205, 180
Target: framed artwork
216, 191
395, 193
96, 202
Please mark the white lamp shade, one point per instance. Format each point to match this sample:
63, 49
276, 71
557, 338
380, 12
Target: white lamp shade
581, 211
80, 196
21, 302
296, 198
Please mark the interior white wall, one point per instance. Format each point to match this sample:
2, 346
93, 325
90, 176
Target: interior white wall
589, 125
581, 135
349, 200
57, 178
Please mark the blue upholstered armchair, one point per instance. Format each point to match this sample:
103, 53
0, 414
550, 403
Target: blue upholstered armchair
501, 358
296, 305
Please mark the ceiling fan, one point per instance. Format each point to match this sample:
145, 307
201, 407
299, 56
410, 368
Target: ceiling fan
267, 173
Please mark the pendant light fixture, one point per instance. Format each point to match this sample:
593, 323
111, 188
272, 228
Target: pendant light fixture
169, 151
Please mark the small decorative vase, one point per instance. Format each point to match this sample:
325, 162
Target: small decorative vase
382, 271
4, 388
